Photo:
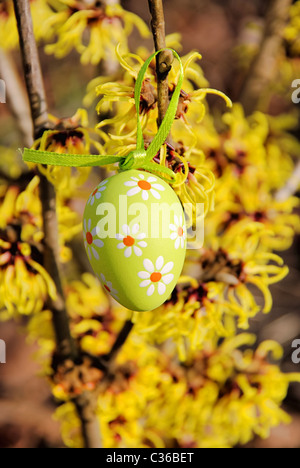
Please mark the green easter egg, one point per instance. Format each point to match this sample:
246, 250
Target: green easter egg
135, 238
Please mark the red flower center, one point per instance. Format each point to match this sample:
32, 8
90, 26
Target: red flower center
155, 277
180, 232
95, 191
144, 185
107, 288
128, 241
89, 238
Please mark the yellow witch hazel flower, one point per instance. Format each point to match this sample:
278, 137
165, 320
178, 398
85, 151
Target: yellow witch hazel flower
254, 202
263, 142
94, 325
67, 21
292, 31
40, 331
28, 201
121, 93
258, 142
106, 22
93, 321
221, 397
10, 163
195, 183
41, 10
245, 198
252, 160
69, 226
189, 318
70, 136
238, 259
218, 298
25, 285
70, 425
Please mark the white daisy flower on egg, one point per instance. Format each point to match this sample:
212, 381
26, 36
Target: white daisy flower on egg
131, 240
145, 186
156, 276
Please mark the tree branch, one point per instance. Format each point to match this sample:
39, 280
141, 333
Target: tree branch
35, 88
31, 66
86, 405
264, 65
164, 59
38, 107
16, 95
121, 338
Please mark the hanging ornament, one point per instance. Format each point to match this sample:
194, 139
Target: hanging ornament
133, 225
135, 238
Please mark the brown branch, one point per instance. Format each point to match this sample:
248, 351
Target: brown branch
121, 338
263, 69
86, 405
31, 66
38, 106
35, 88
16, 95
164, 59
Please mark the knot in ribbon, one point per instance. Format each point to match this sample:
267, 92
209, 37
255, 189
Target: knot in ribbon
134, 160
137, 159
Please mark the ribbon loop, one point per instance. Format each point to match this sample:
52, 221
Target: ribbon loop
137, 159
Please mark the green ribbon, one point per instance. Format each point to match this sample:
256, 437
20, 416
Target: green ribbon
137, 159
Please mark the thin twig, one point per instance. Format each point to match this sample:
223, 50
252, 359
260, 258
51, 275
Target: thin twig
164, 59
254, 92
38, 105
121, 338
16, 95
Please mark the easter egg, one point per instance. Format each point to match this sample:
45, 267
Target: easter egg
135, 238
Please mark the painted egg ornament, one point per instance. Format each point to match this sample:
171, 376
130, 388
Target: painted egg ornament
135, 238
